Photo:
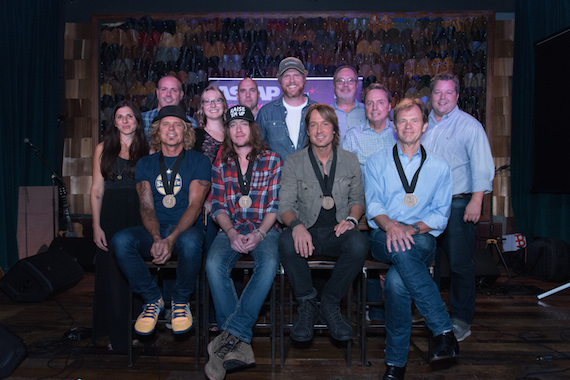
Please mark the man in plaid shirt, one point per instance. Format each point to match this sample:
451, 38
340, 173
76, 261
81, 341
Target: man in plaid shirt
245, 184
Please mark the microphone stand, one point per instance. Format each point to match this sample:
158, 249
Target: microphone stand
54, 178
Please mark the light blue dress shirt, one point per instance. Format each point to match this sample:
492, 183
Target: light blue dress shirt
461, 140
348, 120
364, 141
385, 193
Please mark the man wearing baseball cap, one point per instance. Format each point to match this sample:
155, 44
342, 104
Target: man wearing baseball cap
172, 185
281, 121
245, 183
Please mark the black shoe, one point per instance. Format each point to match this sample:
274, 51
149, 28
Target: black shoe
394, 373
444, 349
339, 327
302, 330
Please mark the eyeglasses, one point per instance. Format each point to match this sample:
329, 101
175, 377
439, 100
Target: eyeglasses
209, 102
348, 81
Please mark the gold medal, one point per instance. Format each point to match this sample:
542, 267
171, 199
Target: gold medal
169, 201
410, 200
119, 177
245, 201
327, 203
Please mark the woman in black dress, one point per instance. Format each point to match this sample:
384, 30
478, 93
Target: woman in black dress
115, 206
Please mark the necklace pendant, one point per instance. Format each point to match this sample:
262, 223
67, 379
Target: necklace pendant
168, 171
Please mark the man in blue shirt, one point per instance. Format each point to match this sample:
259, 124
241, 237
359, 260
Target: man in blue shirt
461, 140
349, 111
377, 132
408, 198
172, 185
282, 121
168, 93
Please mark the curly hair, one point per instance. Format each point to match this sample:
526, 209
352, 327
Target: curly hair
200, 116
112, 143
155, 142
256, 142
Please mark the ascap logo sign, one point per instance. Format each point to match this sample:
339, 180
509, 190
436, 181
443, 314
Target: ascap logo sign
319, 89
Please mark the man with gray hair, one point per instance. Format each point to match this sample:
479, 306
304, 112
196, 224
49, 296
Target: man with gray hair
349, 111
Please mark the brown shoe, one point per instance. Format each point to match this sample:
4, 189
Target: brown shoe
240, 356
217, 349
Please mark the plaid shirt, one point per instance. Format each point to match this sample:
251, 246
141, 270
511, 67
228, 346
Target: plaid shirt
264, 189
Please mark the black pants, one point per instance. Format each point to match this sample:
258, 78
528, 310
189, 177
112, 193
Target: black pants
349, 249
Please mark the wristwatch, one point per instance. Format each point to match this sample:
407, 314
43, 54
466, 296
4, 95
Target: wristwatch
416, 228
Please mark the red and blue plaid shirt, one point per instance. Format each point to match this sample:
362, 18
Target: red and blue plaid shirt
264, 190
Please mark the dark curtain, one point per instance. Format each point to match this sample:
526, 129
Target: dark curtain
537, 215
31, 59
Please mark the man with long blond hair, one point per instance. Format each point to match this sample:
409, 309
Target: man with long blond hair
172, 185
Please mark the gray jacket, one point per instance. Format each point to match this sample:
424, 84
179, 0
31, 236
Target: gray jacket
301, 193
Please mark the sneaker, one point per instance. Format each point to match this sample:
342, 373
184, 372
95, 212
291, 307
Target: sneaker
146, 322
240, 356
303, 327
339, 327
181, 317
217, 350
461, 330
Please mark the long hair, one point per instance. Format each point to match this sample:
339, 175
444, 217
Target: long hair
327, 113
112, 143
200, 116
256, 142
155, 142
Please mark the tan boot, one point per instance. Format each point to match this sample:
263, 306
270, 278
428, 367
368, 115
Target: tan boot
240, 356
217, 350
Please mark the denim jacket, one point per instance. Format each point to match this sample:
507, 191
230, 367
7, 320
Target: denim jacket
271, 120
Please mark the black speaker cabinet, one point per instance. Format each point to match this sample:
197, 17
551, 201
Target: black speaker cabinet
36, 278
12, 351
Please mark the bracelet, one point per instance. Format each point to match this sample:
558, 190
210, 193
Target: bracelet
260, 233
352, 220
294, 223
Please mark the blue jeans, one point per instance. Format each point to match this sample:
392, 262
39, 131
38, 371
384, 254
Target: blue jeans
407, 279
238, 315
133, 244
458, 241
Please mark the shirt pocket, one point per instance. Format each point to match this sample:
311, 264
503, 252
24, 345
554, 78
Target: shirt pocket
277, 131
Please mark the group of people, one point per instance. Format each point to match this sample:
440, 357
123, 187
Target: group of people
288, 182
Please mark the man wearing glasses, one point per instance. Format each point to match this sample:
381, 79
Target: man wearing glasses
349, 111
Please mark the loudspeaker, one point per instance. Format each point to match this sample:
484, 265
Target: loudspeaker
486, 269
81, 249
38, 277
12, 351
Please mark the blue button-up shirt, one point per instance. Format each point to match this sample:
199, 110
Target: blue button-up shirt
271, 120
350, 119
385, 192
364, 141
461, 140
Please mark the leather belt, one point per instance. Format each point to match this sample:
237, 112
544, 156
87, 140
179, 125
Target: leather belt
461, 196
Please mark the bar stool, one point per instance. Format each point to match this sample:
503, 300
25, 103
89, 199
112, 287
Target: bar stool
159, 269
316, 263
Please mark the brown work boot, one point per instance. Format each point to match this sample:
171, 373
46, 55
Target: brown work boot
217, 349
240, 356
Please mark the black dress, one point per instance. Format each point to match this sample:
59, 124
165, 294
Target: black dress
119, 210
